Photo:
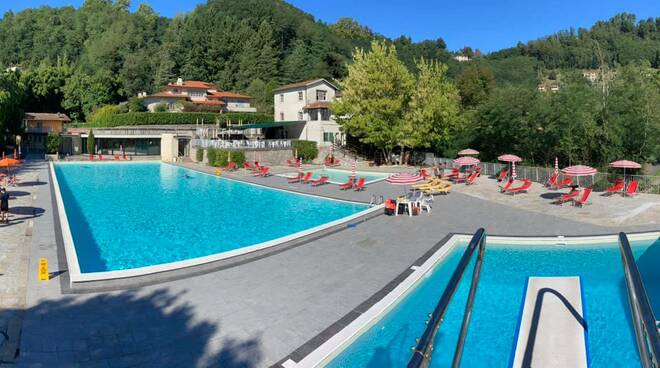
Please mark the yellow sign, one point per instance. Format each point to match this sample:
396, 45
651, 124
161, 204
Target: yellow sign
43, 269
218, 172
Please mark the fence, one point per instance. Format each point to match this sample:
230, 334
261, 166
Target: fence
600, 181
243, 144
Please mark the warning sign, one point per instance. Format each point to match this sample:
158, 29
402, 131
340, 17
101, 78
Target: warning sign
43, 269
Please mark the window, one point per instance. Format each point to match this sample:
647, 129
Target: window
300, 96
325, 114
300, 115
320, 95
281, 116
314, 114
328, 137
281, 97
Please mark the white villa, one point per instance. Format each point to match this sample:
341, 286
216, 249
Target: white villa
199, 93
308, 102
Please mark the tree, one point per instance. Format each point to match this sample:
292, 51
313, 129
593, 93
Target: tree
434, 110
135, 105
375, 96
475, 84
91, 145
12, 94
53, 143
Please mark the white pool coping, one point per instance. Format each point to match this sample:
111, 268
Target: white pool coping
341, 340
76, 276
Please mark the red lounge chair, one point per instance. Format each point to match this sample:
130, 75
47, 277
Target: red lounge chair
503, 175
360, 185
296, 179
506, 186
328, 162
322, 180
565, 183
347, 185
566, 197
247, 166
521, 189
292, 162
116, 157
617, 187
423, 173
263, 171
91, 157
632, 189
307, 178
478, 170
552, 181
583, 200
472, 178
454, 173
231, 166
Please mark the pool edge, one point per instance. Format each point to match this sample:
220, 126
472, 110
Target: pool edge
79, 279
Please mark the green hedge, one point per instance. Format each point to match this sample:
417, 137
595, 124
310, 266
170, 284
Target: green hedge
199, 154
155, 118
307, 150
220, 158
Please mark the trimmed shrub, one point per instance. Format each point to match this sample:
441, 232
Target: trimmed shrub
161, 108
90, 143
53, 143
222, 158
211, 153
135, 105
102, 113
158, 118
199, 154
307, 150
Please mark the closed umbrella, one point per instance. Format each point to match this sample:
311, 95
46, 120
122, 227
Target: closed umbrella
353, 166
625, 164
513, 170
556, 165
300, 164
579, 170
468, 152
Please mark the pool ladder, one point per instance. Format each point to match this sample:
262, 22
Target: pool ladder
376, 200
423, 351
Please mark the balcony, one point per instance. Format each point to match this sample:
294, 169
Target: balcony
40, 130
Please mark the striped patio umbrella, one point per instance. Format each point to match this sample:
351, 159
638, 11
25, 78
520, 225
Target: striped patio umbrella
300, 164
556, 165
625, 164
579, 170
513, 170
405, 179
509, 158
468, 152
353, 166
466, 161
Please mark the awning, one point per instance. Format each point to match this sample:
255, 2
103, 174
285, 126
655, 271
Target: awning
270, 124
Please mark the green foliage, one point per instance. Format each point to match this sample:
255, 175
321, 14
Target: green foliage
103, 113
161, 107
136, 105
199, 154
12, 93
262, 94
53, 143
155, 118
221, 158
307, 150
475, 84
91, 145
211, 153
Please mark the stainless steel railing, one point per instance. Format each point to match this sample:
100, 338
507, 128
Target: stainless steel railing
646, 330
423, 351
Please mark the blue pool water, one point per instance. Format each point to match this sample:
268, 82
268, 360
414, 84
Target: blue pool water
491, 337
126, 216
342, 176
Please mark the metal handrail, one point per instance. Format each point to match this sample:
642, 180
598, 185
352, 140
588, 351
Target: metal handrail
646, 331
423, 351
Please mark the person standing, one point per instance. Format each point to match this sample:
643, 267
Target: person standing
4, 205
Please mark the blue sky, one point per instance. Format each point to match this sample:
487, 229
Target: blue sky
484, 24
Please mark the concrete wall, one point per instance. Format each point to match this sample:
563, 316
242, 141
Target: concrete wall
169, 147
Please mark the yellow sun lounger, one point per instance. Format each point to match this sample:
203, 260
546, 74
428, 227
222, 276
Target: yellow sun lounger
438, 189
429, 183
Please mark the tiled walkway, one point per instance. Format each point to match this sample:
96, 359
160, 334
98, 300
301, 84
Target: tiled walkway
255, 314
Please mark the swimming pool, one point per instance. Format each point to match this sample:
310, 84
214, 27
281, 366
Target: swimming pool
338, 176
133, 215
491, 338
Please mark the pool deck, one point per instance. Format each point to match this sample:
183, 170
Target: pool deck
254, 314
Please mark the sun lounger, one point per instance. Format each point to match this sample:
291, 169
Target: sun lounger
506, 186
423, 173
632, 189
617, 187
552, 181
564, 183
292, 162
231, 166
247, 166
308, 178
322, 180
566, 197
502, 175
472, 178
583, 200
296, 179
360, 185
263, 171
454, 173
438, 189
347, 185
429, 183
521, 189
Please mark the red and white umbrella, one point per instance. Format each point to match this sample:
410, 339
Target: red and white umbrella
467, 152
625, 164
300, 164
579, 170
466, 161
556, 165
404, 179
513, 170
509, 158
353, 166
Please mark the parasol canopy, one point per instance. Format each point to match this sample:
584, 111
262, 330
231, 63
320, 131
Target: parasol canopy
466, 161
468, 151
579, 170
625, 164
509, 158
404, 179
